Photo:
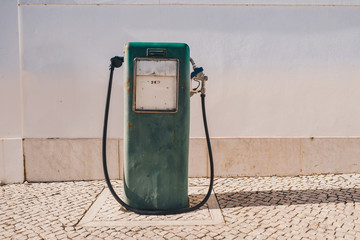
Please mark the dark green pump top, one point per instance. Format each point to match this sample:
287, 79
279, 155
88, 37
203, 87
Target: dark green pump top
156, 125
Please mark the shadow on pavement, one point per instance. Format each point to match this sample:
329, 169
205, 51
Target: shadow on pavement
287, 197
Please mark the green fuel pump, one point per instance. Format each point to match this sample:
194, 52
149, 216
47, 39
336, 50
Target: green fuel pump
157, 91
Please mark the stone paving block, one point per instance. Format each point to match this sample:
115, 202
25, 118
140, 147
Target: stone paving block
312, 207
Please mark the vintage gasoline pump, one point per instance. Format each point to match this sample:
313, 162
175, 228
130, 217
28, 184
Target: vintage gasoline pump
157, 90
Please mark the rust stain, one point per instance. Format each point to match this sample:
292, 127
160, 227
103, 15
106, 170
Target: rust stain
127, 85
130, 125
129, 88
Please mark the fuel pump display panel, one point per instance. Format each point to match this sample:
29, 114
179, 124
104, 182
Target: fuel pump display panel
156, 85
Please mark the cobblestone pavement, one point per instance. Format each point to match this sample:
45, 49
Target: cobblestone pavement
308, 207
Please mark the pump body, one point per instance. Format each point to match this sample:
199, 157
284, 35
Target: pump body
156, 125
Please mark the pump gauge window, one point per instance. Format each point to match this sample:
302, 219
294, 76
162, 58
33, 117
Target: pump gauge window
156, 85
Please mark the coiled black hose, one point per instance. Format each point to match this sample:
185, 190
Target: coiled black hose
115, 63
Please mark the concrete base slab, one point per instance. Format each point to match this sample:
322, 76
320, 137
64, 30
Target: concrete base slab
11, 160
69, 159
106, 212
80, 159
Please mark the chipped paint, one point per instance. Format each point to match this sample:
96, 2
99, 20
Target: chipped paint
128, 85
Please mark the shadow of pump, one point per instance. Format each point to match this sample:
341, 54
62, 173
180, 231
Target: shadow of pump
287, 197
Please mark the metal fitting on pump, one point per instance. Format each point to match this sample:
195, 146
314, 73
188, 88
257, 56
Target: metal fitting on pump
198, 76
193, 63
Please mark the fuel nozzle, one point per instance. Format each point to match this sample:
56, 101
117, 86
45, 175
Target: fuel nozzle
198, 76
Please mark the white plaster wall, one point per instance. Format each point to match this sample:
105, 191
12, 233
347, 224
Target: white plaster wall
10, 109
278, 69
11, 157
273, 70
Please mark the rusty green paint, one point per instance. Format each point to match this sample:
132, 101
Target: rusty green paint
156, 145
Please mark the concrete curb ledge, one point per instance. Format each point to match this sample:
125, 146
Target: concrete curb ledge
196, 2
80, 159
11, 160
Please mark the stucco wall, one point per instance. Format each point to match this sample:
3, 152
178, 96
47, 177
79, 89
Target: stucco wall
277, 69
273, 70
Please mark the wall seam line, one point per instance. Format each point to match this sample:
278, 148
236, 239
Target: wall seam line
20, 70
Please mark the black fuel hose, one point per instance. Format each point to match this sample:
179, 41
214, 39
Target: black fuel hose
115, 63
